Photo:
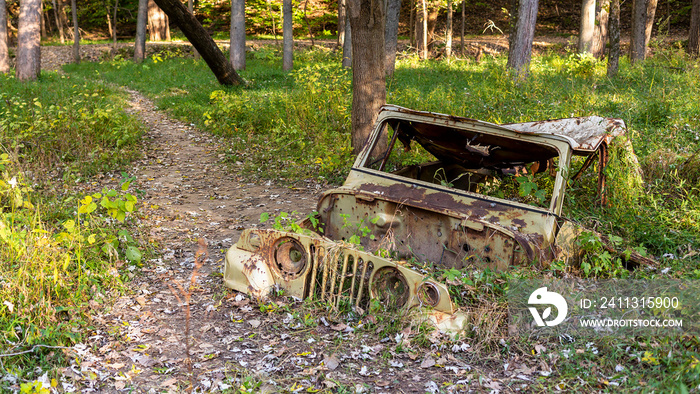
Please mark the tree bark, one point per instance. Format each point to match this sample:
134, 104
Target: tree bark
412, 22
109, 20
448, 30
587, 29
59, 25
600, 34
43, 25
237, 48
461, 33
694, 33
190, 8
76, 32
520, 40
158, 29
367, 21
422, 30
4, 49
28, 65
140, 40
638, 44
341, 23
649, 24
614, 30
287, 36
347, 44
391, 34
201, 40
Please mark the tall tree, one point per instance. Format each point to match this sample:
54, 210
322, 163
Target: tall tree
638, 44
586, 31
367, 21
347, 44
341, 22
43, 25
59, 25
448, 30
28, 65
140, 40
391, 34
461, 33
76, 32
600, 34
521, 35
195, 33
287, 36
158, 26
422, 30
649, 23
237, 49
4, 50
694, 33
614, 30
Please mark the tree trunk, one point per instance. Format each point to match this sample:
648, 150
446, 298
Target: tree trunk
448, 30
638, 44
287, 36
391, 34
614, 30
520, 40
114, 29
237, 48
109, 19
190, 8
347, 44
201, 40
600, 34
341, 23
43, 25
461, 33
585, 37
308, 24
140, 40
76, 32
4, 49
59, 25
412, 22
28, 65
649, 25
422, 30
158, 29
694, 33
368, 85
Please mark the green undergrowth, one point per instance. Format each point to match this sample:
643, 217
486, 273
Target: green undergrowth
63, 253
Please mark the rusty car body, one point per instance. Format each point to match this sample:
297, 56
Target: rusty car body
441, 207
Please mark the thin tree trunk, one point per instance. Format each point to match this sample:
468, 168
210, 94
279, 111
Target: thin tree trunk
461, 33
614, 31
521, 37
43, 25
448, 32
600, 34
422, 30
4, 49
109, 19
64, 17
391, 34
368, 84
341, 23
347, 44
694, 33
587, 27
47, 20
28, 65
157, 23
195, 33
59, 25
287, 36
412, 22
638, 44
114, 29
308, 24
272, 17
237, 48
76, 32
140, 40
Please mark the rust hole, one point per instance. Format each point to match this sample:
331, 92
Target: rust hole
290, 257
390, 287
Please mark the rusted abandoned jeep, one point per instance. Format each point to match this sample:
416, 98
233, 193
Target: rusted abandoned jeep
445, 191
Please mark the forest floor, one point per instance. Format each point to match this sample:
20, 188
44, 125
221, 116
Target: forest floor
193, 206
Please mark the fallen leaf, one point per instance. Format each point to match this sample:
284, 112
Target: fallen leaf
169, 382
254, 323
119, 384
331, 362
141, 300
427, 362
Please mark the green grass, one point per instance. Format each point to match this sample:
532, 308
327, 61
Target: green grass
59, 252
